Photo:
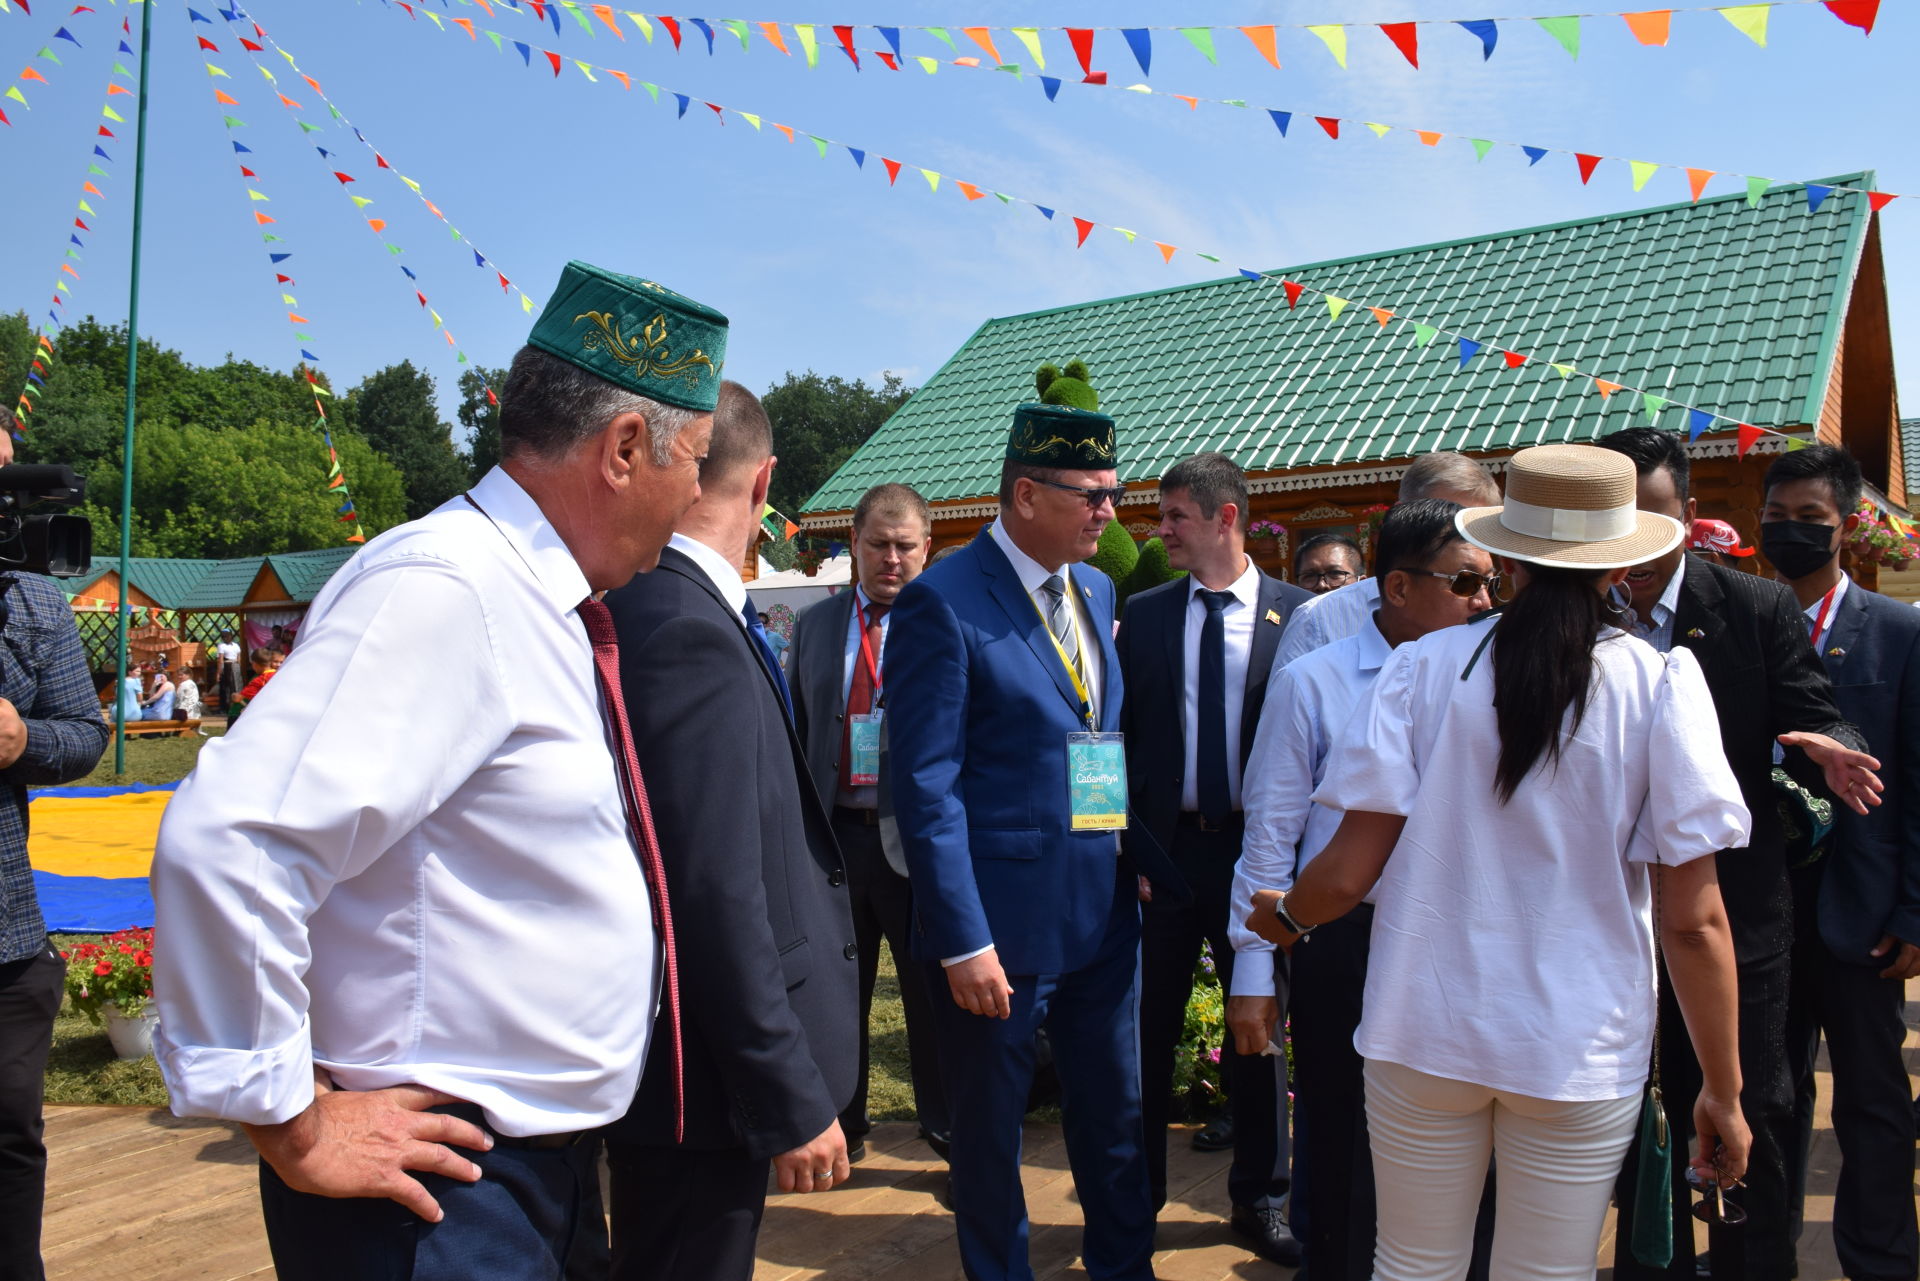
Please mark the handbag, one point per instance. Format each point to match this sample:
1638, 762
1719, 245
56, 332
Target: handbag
1653, 1180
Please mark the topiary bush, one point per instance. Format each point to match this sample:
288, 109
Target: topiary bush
1116, 555
1150, 570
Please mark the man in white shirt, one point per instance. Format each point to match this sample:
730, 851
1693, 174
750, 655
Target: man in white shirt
1429, 578
364, 890
1345, 611
227, 678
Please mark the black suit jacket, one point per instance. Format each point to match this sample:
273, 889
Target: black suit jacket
1751, 639
1152, 647
764, 934
1870, 886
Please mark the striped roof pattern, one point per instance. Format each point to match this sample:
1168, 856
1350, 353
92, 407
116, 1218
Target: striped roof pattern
303, 574
1719, 305
167, 581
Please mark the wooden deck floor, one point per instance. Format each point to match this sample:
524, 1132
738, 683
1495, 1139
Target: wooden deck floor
137, 1192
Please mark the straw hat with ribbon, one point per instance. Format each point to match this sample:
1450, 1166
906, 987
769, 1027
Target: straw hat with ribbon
1570, 507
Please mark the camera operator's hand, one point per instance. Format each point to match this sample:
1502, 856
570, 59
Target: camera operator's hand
6, 446
13, 734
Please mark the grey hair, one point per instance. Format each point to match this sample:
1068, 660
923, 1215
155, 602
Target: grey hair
549, 406
1444, 474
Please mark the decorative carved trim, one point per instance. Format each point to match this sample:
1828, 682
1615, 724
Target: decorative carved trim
1325, 511
1140, 527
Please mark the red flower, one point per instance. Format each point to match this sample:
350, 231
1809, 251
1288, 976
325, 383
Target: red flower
103, 969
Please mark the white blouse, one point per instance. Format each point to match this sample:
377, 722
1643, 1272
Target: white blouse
1513, 944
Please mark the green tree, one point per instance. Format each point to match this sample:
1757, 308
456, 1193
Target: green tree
481, 418
394, 410
818, 423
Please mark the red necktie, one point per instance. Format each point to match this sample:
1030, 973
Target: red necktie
633, 794
860, 694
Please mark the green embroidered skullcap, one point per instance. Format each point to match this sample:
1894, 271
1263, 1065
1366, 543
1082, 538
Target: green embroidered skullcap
636, 334
1061, 436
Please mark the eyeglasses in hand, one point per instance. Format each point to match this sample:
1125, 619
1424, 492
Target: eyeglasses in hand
1095, 495
1713, 1207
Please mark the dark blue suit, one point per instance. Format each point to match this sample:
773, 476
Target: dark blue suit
1866, 888
978, 709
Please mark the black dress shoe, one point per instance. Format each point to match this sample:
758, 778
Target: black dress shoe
1215, 1136
856, 1151
940, 1143
1272, 1239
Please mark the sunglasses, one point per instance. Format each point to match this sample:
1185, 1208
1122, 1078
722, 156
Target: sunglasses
1328, 578
1713, 1207
1466, 583
1095, 495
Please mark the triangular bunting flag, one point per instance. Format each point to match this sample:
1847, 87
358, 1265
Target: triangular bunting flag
1815, 195
1878, 200
1481, 147
1651, 27
1489, 32
1698, 420
1382, 315
1468, 349
1697, 181
1514, 359
1406, 38
1748, 436
1166, 251
1642, 170
1605, 388
1083, 227
1855, 13
1565, 30
1756, 188
1281, 119
1750, 20
1052, 86
1331, 125
1030, 37
1424, 334
983, 36
893, 169
1587, 164
1262, 38
1380, 131
1335, 306
1428, 138
1534, 154
1140, 40
1293, 292
1334, 37
933, 179
1202, 39
808, 44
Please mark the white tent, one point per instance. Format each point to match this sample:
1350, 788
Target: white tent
796, 590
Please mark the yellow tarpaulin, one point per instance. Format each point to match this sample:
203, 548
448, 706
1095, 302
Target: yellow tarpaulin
110, 836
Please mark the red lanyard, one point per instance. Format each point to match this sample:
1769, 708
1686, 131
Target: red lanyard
866, 647
1820, 619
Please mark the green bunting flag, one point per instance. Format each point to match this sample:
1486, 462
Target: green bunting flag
1480, 148
1756, 188
1653, 405
1424, 334
1565, 30
1202, 38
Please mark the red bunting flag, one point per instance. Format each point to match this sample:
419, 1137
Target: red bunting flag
381, 161
1085, 228
846, 42
422, 297
1293, 292
1330, 124
553, 58
1406, 38
491, 398
887, 58
1514, 359
1587, 164
1878, 200
1855, 13
504, 286
893, 169
343, 177
248, 44
208, 44
1081, 38
1749, 436
719, 111
282, 278
673, 29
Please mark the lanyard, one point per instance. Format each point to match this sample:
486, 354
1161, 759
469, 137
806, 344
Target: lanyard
1080, 639
1826, 607
866, 649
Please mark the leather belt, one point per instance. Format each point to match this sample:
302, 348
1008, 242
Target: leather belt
857, 817
528, 1143
1234, 822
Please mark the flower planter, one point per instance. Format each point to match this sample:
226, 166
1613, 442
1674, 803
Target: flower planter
132, 1037
1264, 548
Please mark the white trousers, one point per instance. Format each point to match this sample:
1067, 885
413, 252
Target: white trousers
1431, 1142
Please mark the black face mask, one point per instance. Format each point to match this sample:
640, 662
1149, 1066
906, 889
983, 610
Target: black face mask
1796, 547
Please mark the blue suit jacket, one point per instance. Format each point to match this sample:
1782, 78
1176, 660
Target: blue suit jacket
1871, 884
979, 707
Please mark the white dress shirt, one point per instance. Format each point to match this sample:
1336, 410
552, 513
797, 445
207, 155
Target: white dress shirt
1308, 703
720, 571
409, 862
1833, 612
1331, 616
1238, 618
1657, 629
1513, 943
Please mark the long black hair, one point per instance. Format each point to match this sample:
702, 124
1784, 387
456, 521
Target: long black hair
1543, 666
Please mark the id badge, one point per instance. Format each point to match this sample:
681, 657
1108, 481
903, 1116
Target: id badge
863, 749
1097, 782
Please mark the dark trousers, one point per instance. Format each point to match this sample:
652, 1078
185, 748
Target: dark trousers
1092, 1025
516, 1224
1760, 1249
1874, 1228
684, 1214
30, 992
1170, 939
882, 909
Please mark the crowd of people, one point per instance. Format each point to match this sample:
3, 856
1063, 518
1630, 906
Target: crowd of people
1541, 845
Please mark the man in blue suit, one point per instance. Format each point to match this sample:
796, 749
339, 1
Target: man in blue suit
1028, 915
1856, 910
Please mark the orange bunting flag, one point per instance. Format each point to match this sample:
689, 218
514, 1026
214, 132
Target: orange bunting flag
1406, 38
1651, 27
604, 12
261, 219
1428, 138
1514, 359
1085, 229
89, 187
466, 23
314, 85
771, 30
1382, 315
298, 319
1193, 104
1605, 388
787, 130
621, 76
1262, 38
28, 73
968, 190
378, 224
1166, 251
1697, 180
1749, 437
288, 102
117, 88
983, 36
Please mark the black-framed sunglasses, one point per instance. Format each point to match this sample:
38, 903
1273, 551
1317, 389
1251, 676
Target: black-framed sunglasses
1094, 495
1713, 1206
1466, 583
1327, 578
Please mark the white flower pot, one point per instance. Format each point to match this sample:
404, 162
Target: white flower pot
132, 1037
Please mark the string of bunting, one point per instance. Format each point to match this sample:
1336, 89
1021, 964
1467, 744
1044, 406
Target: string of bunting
39, 368
283, 283
1466, 346
1650, 27
31, 73
376, 225
1586, 163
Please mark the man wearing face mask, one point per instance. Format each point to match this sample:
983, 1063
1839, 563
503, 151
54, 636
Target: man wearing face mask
1767, 688
1857, 910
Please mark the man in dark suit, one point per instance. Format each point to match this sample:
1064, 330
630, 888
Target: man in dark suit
1024, 907
1195, 654
1767, 687
838, 671
1858, 907
768, 966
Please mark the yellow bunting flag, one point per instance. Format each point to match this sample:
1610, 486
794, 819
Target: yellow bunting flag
1335, 38
1030, 37
1642, 170
808, 44
1750, 20
1336, 305
1380, 131
933, 179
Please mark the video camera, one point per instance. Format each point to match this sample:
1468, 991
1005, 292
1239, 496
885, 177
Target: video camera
54, 543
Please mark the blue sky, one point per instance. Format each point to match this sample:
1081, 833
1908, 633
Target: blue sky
820, 265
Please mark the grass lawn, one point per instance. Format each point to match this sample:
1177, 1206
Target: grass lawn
150, 760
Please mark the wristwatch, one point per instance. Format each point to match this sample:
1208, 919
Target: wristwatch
1286, 918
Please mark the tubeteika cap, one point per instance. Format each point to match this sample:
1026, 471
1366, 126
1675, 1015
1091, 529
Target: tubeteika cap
1059, 436
636, 334
1570, 507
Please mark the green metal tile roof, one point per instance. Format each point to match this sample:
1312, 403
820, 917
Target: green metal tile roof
1715, 304
303, 574
225, 586
1910, 457
167, 581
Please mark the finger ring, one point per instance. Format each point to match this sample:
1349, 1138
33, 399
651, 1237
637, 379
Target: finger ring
822, 1174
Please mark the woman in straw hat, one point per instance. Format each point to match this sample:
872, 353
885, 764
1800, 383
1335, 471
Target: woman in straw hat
1505, 786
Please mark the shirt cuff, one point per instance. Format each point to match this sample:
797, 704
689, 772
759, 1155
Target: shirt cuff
1252, 972
255, 1087
966, 956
